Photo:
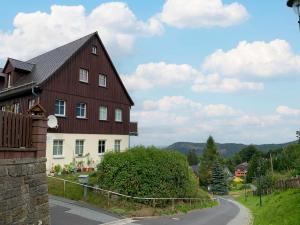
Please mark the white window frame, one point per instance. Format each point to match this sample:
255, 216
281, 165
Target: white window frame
117, 145
79, 147
102, 82
101, 147
59, 105
3, 108
94, 50
83, 75
31, 103
56, 151
8, 80
17, 107
81, 106
118, 115
103, 112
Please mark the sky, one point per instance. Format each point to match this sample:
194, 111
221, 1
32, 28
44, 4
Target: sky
194, 68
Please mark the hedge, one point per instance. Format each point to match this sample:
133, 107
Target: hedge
147, 172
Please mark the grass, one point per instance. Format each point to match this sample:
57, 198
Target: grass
279, 208
121, 206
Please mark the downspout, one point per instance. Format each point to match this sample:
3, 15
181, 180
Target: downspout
34, 93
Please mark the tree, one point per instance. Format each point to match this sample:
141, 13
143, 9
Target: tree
247, 153
298, 135
257, 167
192, 157
218, 182
210, 155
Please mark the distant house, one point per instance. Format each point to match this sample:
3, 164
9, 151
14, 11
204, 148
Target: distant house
241, 170
79, 84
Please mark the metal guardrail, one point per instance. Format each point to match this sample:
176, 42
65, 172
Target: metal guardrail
152, 199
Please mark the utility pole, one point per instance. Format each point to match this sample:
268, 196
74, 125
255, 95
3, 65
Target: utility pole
271, 160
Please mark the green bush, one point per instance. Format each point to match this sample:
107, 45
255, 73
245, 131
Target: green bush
148, 172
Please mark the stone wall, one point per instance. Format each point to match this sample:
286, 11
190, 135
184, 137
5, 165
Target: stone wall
23, 192
23, 179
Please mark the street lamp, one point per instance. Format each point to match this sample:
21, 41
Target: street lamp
295, 4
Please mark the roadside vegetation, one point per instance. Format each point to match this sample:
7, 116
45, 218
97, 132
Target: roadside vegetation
139, 172
279, 208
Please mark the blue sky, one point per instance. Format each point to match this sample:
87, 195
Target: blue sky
222, 67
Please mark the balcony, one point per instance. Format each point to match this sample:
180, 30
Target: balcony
133, 129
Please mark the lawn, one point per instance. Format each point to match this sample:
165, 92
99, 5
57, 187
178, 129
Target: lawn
121, 206
279, 208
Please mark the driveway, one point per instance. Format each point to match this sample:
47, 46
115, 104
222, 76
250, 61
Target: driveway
66, 212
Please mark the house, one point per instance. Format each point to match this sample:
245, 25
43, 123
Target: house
241, 170
79, 84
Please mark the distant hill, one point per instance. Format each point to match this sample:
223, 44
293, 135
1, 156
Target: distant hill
227, 149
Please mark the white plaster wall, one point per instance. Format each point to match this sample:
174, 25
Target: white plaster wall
90, 146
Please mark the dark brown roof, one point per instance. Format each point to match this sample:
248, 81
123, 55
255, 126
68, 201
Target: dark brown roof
45, 65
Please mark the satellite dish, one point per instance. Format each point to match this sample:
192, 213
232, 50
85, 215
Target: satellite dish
52, 121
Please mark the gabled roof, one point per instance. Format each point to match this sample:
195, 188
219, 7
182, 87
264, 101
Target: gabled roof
25, 66
49, 62
45, 65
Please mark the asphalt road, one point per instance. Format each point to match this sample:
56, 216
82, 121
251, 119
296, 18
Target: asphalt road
220, 215
66, 212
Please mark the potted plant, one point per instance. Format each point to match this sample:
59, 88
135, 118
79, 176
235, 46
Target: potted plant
79, 166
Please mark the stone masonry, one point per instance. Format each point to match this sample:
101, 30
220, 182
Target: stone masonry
23, 181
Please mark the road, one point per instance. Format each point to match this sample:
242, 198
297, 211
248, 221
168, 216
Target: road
66, 212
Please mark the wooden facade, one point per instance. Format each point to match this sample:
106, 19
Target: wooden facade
64, 85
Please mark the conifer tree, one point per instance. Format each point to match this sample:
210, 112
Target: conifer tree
210, 154
218, 181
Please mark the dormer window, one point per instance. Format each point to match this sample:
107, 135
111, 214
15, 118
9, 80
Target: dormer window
94, 50
8, 81
84, 75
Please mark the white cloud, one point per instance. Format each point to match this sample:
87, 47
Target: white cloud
261, 59
177, 118
214, 83
147, 76
161, 74
285, 110
202, 13
37, 32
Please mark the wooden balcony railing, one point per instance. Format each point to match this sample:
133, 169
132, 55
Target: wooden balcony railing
133, 129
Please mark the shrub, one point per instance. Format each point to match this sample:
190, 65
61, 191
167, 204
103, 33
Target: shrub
147, 172
57, 169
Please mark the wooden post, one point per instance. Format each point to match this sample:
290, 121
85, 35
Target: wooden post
153, 203
108, 199
64, 188
173, 204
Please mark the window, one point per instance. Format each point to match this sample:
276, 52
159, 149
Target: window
16, 108
58, 147
103, 113
79, 147
102, 80
117, 145
101, 146
84, 75
94, 50
31, 103
81, 110
8, 81
60, 108
118, 115
3, 108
